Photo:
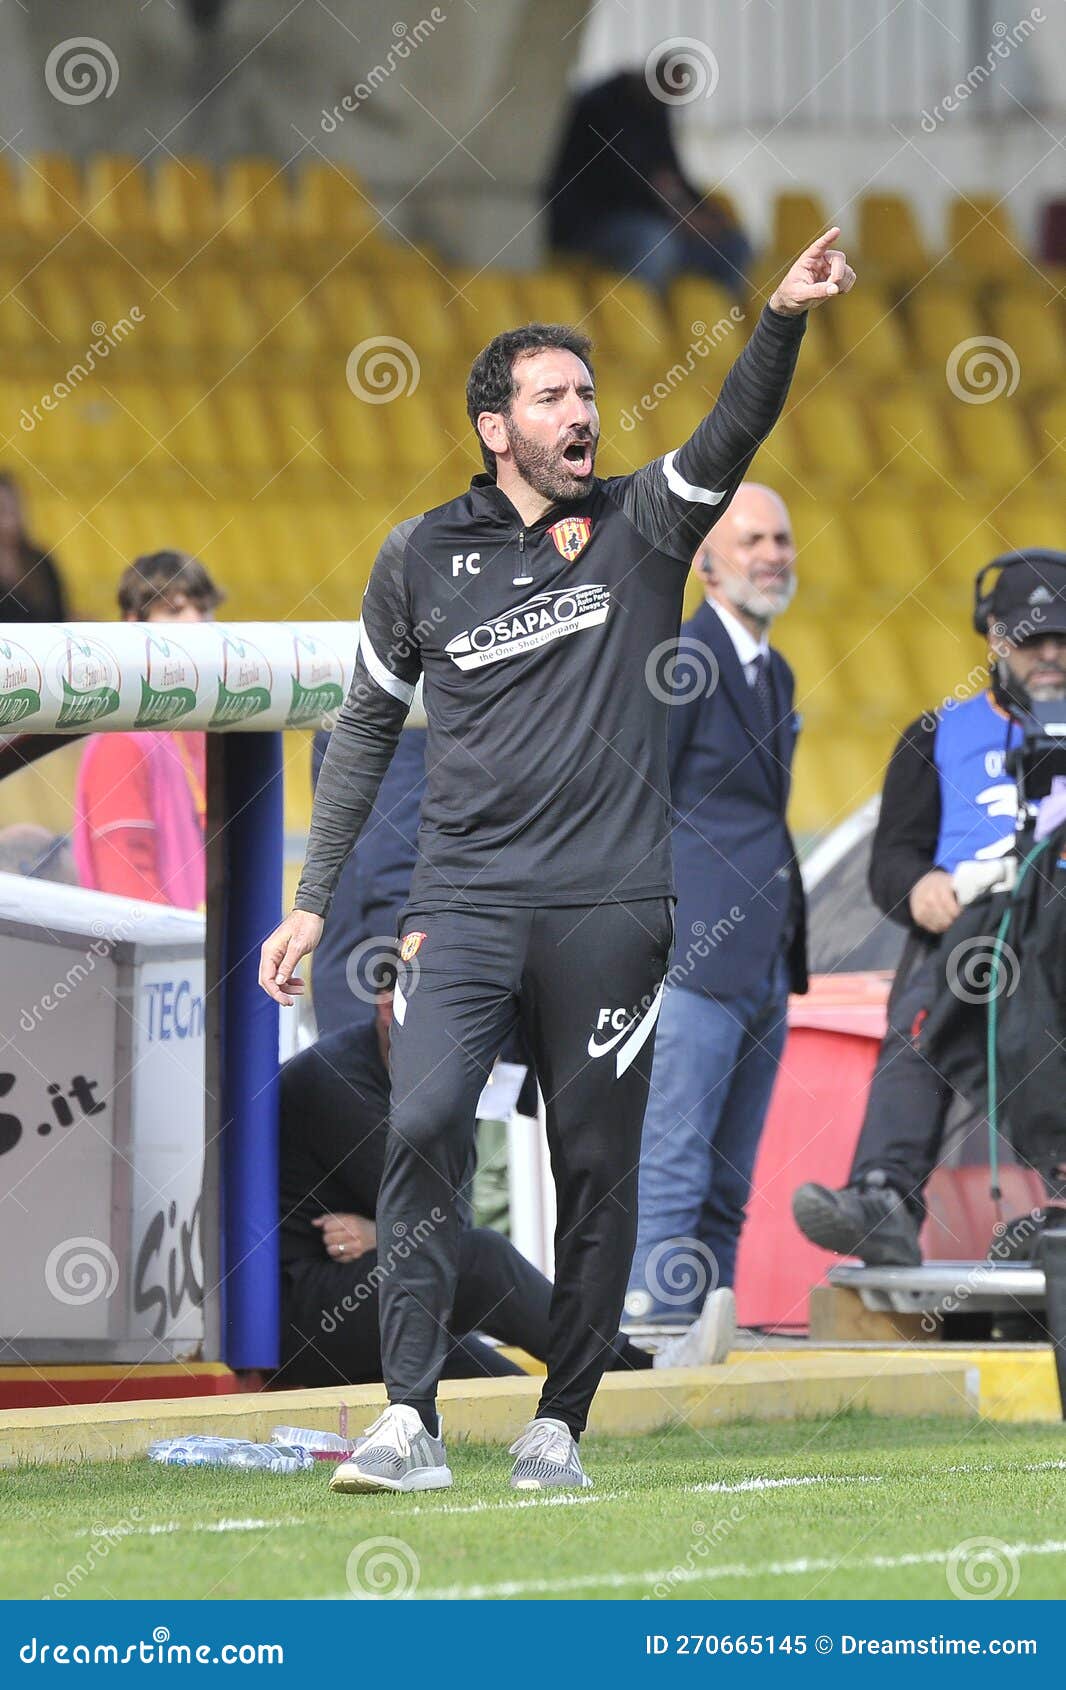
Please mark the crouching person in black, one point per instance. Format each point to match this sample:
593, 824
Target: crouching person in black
334, 1116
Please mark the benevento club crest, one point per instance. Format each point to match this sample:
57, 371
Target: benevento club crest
571, 536
412, 944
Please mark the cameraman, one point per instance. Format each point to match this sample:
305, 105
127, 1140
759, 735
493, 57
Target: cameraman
947, 801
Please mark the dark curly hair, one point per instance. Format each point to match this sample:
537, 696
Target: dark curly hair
491, 384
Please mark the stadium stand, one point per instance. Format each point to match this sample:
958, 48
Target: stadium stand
218, 417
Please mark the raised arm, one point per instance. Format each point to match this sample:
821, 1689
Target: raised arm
360, 749
675, 500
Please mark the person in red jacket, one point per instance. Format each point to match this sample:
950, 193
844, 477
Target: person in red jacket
141, 797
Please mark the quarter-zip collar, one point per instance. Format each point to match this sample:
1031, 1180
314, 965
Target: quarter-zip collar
494, 504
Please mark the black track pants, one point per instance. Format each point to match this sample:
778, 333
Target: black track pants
584, 982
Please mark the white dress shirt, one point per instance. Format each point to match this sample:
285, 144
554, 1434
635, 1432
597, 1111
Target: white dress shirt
746, 646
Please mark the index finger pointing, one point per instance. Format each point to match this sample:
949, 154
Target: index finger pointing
823, 241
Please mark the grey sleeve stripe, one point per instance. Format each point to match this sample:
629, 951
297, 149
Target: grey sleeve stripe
385, 679
684, 489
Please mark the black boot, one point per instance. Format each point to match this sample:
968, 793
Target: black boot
868, 1221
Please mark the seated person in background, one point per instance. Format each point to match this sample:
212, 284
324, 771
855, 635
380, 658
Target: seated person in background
947, 800
30, 586
618, 194
373, 885
141, 798
334, 1117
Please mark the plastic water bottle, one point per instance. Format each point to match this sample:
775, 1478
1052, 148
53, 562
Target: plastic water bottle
319, 1443
230, 1452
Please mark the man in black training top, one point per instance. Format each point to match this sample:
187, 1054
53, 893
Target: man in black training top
538, 606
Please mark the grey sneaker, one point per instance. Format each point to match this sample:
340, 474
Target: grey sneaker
709, 1339
869, 1221
395, 1453
548, 1459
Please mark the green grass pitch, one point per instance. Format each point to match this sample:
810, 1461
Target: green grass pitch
852, 1507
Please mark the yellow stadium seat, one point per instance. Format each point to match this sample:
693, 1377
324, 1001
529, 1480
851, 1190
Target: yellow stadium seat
874, 656
944, 658
482, 304
244, 420
963, 541
801, 636
288, 317
353, 309
552, 296
913, 448
798, 220
418, 315
1050, 434
355, 441
981, 239
11, 209
118, 199
781, 462
628, 320
892, 552
55, 291
871, 346
20, 332
993, 443
1033, 328
228, 321
697, 306
825, 559
50, 191
1029, 518
332, 205
185, 202
195, 434
890, 242
835, 440
255, 201
298, 426
942, 320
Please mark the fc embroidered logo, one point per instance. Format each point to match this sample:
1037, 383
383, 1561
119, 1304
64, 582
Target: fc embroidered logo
412, 944
571, 536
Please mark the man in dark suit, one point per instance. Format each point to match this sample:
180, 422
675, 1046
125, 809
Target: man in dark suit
740, 942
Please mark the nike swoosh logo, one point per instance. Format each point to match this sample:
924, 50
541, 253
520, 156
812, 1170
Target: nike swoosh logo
601, 1050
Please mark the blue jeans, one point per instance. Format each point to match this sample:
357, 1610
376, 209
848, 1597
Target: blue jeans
654, 249
715, 1064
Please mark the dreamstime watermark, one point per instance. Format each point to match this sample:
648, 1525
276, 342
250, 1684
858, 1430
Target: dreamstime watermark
407, 38
106, 338
376, 966
382, 1568
80, 1271
681, 669
680, 1272
77, 71
405, 1241
983, 1569
703, 1540
382, 368
1007, 37
980, 968
703, 342
102, 1540
81, 970
680, 70
981, 369
1008, 1236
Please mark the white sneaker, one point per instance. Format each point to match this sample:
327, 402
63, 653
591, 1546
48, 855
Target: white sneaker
709, 1339
548, 1459
395, 1453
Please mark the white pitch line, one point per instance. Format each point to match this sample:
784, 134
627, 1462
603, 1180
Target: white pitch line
717, 1487
673, 1576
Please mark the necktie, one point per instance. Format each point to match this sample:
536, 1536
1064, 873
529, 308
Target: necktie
763, 691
